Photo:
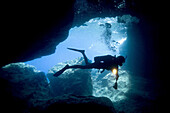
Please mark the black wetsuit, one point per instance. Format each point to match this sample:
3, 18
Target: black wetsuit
107, 62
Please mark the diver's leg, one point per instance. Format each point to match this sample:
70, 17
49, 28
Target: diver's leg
61, 71
85, 58
89, 66
115, 85
82, 52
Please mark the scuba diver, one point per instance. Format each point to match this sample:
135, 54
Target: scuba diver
106, 62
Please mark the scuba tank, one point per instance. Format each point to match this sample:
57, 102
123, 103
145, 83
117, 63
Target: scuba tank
106, 58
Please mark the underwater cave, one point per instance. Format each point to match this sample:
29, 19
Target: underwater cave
37, 48
92, 37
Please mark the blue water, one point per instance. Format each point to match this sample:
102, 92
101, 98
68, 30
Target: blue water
89, 37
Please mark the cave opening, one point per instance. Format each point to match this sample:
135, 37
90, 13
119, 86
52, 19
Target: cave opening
98, 36
89, 37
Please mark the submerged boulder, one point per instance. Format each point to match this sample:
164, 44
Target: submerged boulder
25, 80
72, 81
21, 85
74, 104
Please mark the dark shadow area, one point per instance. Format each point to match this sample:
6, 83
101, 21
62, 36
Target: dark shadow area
33, 29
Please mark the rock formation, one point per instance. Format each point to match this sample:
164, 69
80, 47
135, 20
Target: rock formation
75, 104
21, 84
32, 30
26, 90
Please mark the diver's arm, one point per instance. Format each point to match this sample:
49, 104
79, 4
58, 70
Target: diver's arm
102, 71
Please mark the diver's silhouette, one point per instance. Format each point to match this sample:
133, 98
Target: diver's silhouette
107, 62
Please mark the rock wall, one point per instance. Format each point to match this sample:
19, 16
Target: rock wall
74, 104
26, 90
33, 29
21, 86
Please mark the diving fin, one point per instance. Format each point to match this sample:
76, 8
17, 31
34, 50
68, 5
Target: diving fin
115, 86
61, 71
81, 51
